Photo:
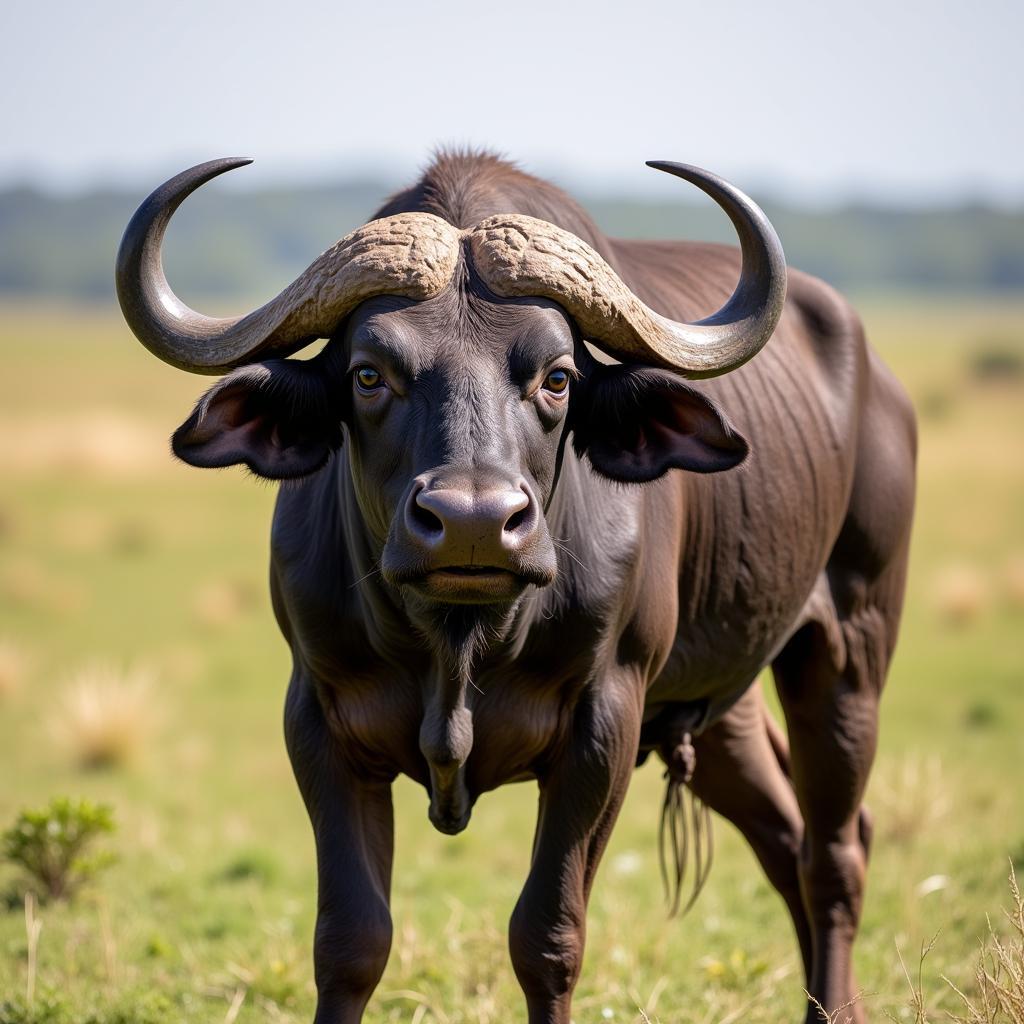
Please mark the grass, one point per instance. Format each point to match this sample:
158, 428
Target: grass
104, 718
13, 667
112, 554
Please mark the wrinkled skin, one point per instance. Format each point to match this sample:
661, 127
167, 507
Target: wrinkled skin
473, 596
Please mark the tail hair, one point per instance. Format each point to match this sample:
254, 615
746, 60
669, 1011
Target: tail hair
683, 829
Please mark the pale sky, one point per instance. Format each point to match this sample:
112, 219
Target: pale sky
811, 100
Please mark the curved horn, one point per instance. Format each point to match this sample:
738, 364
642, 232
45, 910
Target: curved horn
411, 254
520, 256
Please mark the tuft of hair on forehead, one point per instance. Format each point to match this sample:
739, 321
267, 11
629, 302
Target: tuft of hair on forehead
464, 186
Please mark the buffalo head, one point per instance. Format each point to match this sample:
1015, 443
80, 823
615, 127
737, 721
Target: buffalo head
454, 373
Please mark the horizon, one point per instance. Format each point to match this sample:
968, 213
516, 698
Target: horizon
911, 107
373, 176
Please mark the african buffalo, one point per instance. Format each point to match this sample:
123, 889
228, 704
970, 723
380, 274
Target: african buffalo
486, 571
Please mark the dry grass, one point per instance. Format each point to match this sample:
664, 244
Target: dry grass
220, 603
13, 667
1013, 579
841, 1014
86, 531
28, 585
181, 931
100, 442
998, 991
910, 798
961, 594
80, 528
475, 949
995, 994
105, 717
8, 527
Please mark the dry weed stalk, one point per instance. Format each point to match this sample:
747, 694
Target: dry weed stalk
999, 973
33, 926
839, 1015
917, 1001
236, 1005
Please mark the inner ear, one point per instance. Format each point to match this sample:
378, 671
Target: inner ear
637, 423
274, 417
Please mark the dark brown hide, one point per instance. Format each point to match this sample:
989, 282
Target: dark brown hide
603, 614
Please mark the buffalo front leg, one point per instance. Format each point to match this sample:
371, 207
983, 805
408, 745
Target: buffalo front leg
353, 827
580, 797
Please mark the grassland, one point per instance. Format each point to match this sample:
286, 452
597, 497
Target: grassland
115, 563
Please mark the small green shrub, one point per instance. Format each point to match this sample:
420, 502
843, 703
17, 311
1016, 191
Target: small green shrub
51, 845
997, 360
981, 714
935, 404
53, 1008
48, 1010
253, 864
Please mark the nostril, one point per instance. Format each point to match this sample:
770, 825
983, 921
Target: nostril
517, 519
521, 519
425, 519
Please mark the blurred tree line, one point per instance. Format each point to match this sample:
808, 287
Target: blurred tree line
241, 245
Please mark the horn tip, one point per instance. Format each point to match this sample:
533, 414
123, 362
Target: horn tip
212, 168
231, 162
687, 171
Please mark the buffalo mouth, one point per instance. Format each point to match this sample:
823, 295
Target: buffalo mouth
470, 584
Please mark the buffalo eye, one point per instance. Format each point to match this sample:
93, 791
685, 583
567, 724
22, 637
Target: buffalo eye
557, 382
368, 380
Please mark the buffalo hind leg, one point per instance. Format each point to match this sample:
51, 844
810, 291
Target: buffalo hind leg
580, 798
777, 737
352, 822
830, 700
830, 676
738, 775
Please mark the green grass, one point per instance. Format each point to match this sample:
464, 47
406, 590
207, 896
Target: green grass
111, 554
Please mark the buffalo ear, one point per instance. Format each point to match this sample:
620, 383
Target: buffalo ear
636, 423
274, 417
